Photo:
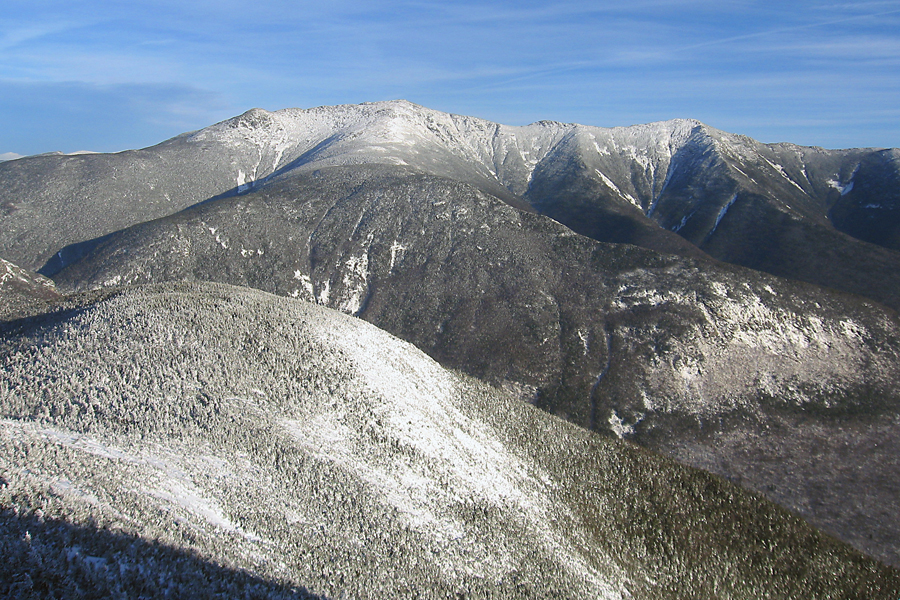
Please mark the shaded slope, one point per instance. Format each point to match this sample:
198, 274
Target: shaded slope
311, 449
769, 207
869, 204
46, 557
805, 213
576, 184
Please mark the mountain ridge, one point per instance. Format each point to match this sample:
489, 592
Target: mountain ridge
542, 258
198, 427
673, 186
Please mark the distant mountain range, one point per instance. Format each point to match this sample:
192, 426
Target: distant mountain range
599, 274
830, 217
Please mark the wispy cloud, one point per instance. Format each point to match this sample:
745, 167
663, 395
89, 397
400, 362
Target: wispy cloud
17, 34
779, 31
72, 116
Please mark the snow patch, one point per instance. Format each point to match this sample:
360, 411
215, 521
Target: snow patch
178, 491
722, 212
306, 282
243, 184
719, 288
852, 330
355, 282
843, 188
619, 426
172, 483
609, 183
583, 336
325, 293
784, 174
445, 457
213, 232
11, 272
684, 220
601, 151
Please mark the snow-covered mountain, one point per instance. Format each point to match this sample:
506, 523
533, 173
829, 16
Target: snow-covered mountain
39, 193
204, 440
435, 228
828, 217
615, 338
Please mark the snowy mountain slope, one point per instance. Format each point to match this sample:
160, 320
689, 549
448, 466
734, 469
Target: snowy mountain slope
783, 209
402, 215
612, 337
22, 292
672, 186
38, 194
787, 210
231, 431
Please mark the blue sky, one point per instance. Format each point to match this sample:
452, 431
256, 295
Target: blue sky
107, 76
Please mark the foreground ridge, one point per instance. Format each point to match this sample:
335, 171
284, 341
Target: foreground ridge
277, 444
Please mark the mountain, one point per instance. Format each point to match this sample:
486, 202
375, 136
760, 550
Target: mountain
615, 338
826, 217
435, 228
22, 291
206, 440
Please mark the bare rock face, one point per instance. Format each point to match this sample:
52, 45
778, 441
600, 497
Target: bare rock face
204, 439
